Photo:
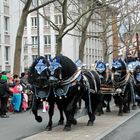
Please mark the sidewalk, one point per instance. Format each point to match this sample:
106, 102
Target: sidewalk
103, 125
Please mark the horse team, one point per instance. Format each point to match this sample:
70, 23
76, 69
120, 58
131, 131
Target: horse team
60, 81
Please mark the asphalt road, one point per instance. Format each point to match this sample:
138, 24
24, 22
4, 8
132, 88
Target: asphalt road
22, 125
130, 130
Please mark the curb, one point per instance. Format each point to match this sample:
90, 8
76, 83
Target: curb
110, 130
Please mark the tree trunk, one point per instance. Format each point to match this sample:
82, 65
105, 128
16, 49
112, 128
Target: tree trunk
104, 39
59, 46
20, 31
83, 37
82, 46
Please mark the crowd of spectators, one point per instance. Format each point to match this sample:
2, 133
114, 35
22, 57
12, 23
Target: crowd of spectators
13, 93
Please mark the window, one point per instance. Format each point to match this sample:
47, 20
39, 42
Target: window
6, 1
34, 57
58, 19
25, 42
46, 23
7, 55
34, 22
34, 41
47, 40
6, 25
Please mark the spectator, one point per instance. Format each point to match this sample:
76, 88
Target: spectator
25, 102
17, 97
45, 106
27, 96
4, 95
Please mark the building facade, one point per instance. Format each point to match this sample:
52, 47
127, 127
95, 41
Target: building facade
5, 36
9, 20
47, 36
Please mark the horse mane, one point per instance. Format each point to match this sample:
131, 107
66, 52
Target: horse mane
68, 66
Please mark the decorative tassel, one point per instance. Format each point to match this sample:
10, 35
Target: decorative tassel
78, 87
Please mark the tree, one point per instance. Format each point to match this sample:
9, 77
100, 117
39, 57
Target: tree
103, 18
130, 27
84, 27
18, 46
70, 19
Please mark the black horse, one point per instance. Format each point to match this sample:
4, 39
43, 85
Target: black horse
38, 77
133, 69
106, 83
136, 76
120, 79
71, 84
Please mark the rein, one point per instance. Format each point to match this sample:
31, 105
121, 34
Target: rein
122, 82
72, 79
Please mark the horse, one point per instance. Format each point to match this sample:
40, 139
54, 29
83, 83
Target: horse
106, 83
71, 84
133, 69
136, 78
121, 83
38, 77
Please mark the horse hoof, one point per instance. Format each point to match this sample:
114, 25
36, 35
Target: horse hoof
108, 110
99, 113
48, 128
126, 111
120, 114
38, 119
67, 128
90, 123
60, 122
134, 107
74, 121
102, 112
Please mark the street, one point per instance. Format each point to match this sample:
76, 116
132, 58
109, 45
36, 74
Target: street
21, 125
103, 125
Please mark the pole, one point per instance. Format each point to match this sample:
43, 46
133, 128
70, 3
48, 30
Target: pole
38, 29
137, 49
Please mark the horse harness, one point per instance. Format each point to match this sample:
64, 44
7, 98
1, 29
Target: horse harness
87, 84
122, 84
63, 88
